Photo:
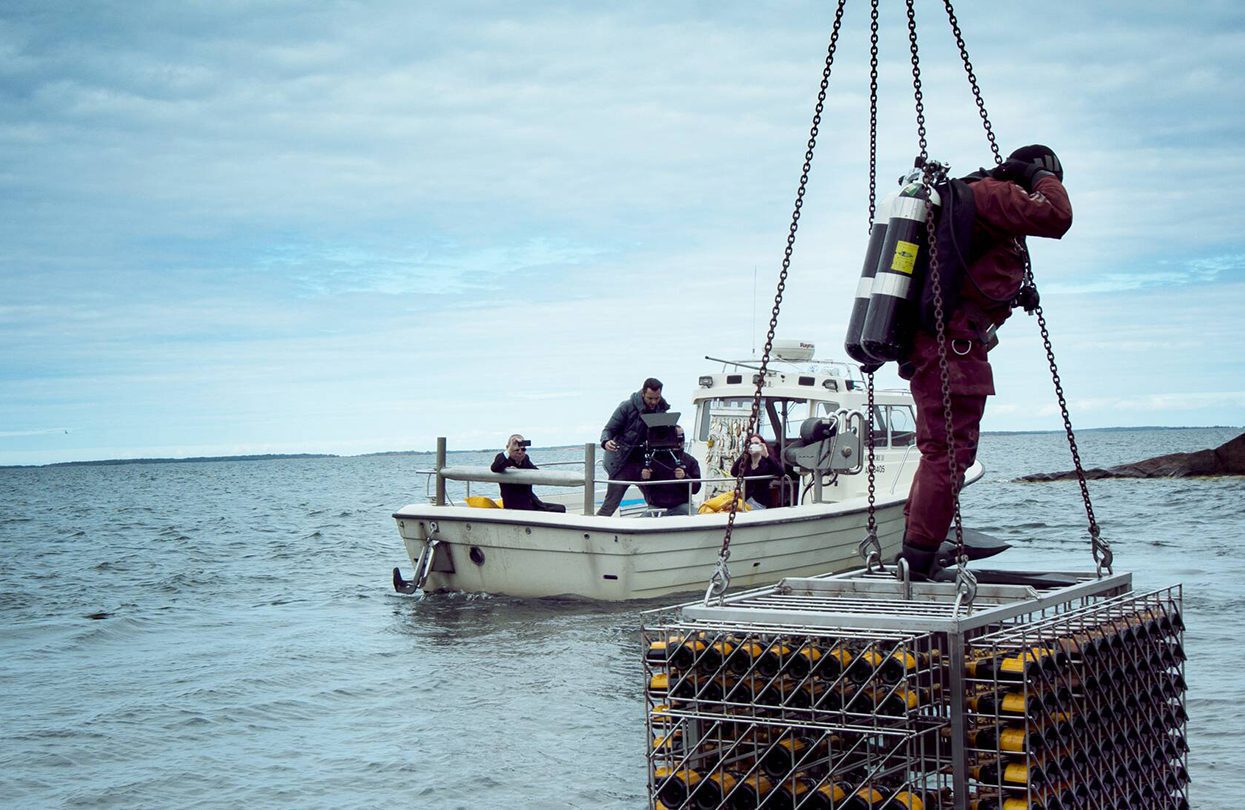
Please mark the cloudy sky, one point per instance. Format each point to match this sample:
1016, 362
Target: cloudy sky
245, 227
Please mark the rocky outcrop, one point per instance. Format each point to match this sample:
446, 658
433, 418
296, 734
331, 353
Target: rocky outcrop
1226, 459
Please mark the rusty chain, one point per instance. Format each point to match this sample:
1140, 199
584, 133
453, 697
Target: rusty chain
972, 81
721, 577
1100, 548
871, 541
916, 82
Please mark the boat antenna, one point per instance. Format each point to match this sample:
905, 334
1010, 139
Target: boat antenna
754, 310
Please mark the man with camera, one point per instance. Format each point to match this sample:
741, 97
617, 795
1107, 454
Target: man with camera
520, 496
624, 438
664, 460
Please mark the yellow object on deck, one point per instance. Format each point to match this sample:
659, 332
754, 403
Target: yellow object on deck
483, 502
722, 503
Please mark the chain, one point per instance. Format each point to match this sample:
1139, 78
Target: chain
1101, 548
916, 81
944, 370
873, 116
871, 536
721, 577
972, 81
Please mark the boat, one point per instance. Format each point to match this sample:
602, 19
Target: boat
812, 412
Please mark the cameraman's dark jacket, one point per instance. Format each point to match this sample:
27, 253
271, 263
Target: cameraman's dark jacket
663, 467
1006, 212
627, 428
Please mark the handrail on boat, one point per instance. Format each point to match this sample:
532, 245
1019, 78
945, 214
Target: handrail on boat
587, 479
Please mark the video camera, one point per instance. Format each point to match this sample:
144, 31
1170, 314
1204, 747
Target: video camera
662, 435
525, 443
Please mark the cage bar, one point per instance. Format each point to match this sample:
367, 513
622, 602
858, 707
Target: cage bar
858, 691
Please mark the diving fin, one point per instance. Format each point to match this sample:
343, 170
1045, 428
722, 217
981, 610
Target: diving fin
1032, 579
977, 545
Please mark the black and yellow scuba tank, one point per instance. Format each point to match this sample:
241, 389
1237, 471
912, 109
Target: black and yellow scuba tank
864, 288
901, 299
890, 321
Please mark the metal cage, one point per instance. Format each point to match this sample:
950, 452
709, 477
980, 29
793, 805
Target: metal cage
858, 691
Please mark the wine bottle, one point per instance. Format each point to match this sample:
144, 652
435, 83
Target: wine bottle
909, 799
685, 654
1004, 667
804, 660
1015, 704
658, 652
1007, 739
900, 700
901, 663
674, 786
828, 796
772, 658
751, 792
789, 793
864, 665
714, 656
1008, 773
794, 752
712, 791
867, 798
743, 658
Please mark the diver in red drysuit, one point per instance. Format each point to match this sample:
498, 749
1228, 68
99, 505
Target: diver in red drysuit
1022, 197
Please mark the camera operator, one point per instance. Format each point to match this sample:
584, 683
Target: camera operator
623, 439
664, 460
520, 496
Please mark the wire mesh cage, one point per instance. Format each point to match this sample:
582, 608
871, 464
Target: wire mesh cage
859, 692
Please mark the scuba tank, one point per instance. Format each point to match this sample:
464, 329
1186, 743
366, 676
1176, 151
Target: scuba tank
864, 288
888, 322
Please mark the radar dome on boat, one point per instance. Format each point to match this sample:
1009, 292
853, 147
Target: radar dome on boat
794, 350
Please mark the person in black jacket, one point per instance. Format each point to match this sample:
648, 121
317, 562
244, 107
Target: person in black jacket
671, 465
520, 496
623, 439
756, 461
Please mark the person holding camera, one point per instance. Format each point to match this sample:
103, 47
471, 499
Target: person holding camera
623, 439
520, 496
1024, 196
756, 461
670, 463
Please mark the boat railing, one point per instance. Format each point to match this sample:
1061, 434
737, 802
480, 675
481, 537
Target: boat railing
584, 476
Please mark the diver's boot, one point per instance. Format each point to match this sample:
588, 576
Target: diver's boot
923, 564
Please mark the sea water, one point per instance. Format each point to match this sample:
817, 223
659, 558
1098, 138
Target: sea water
224, 634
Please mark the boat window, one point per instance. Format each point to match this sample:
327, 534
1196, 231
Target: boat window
893, 425
903, 425
880, 422
721, 423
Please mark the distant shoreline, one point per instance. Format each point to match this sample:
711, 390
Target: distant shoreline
298, 456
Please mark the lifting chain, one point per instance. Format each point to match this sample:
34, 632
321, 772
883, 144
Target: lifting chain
721, 576
1100, 547
916, 83
965, 582
972, 81
870, 548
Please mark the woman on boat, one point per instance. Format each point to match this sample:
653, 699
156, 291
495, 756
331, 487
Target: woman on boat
520, 496
756, 461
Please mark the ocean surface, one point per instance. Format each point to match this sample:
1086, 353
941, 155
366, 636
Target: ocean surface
222, 634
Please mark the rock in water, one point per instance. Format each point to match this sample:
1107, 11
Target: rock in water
1226, 459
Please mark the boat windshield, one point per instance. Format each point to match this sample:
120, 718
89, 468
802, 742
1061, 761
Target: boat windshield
722, 422
893, 425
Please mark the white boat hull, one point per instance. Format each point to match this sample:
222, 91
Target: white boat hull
530, 554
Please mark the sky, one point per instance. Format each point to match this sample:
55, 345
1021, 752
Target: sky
233, 227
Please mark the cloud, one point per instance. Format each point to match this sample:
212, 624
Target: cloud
298, 226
